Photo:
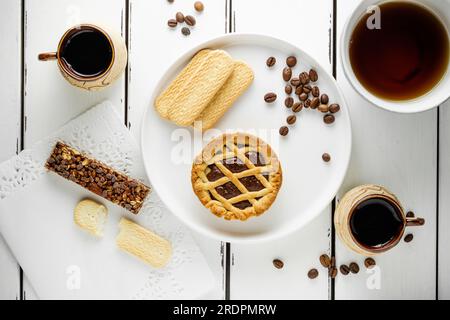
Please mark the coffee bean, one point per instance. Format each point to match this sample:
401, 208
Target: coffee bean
326, 157
354, 268
315, 91
288, 89
308, 103
170, 1
369, 263
291, 61
307, 88
284, 130
277, 263
271, 61
334, 108
180, 17
328, 118
304, 78
185, 31
299, 90
295, 81
172, 23
291, 119
190, 20
323, 108
313, 273
297, 107
287, 74
270, 97
408, 238
315, 103
410, 214
332, 272
303, 96
313, 75
198, 6
325, 260
288, 102
324, 98
345, 270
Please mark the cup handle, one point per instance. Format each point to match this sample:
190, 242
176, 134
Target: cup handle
414, 222
47, 56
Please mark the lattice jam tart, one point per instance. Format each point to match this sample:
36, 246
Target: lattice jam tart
237, 176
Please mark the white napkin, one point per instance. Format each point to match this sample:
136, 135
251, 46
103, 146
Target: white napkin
64, 262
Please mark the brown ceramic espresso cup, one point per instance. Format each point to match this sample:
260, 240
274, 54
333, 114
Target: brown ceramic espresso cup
370, 220
89, 57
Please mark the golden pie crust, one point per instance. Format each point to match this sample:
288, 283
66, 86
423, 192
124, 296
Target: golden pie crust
237, 176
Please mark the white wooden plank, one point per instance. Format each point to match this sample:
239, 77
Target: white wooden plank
252, 273
49, 100
399, 152
10, 91
444, 203
153, 47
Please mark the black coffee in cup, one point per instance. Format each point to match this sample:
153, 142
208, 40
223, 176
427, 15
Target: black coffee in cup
406, 57
86, 52
376, 222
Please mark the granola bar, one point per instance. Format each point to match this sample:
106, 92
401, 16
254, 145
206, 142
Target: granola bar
97, 177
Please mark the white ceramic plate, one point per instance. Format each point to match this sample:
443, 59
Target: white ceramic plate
309, 184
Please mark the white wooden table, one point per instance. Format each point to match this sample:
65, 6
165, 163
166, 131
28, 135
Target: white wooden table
409, 154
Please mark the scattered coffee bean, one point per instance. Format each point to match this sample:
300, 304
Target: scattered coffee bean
297, 107
170, 1
299, 90
323, 108
185, 31
295, 81
198, 6
287, 74
180, 17
315, 91
303, 96
328, 118
172, 23
307, 89
190, 20
291, 119
313, 75
408, 238
325, 260
369, 263
304, 77
334, 108
332, 272
270, 97
284, 130
345, 270
271, 61
354, 268
288, 89
308, 103
326, 157
277, 263
410, 214
289, 102
313, 273
315, 102
324, 98
291, 61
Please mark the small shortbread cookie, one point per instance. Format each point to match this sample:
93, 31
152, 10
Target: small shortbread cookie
143, 244
165, 100
238, 82
91, 216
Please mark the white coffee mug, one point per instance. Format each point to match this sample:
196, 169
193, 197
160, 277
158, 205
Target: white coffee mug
436, 96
